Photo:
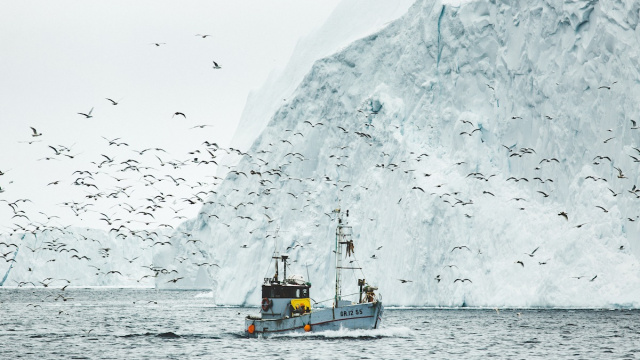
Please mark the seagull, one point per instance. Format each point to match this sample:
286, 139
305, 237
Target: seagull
35, 132
112, 101
216, 66
607, 87
519, 262
603, 209
533, 252
543, 193
405, 281
564, 214
463, 280
157, 44
204, 36
460, 247
88, 115
179, 113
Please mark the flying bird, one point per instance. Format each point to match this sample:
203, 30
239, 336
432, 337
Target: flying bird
216, 66
177, 113
533, 252
87, 115
35, 132
460, 247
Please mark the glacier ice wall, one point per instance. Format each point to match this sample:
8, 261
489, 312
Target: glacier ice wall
439, 132
552, 79
351, 20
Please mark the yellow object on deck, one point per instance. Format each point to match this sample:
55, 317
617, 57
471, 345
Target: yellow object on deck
304, 302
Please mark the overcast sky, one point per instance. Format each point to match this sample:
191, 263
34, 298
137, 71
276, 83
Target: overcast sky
62, 58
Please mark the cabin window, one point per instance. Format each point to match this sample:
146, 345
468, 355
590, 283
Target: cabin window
275, 291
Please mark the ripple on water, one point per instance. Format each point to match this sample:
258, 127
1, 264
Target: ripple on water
185, 324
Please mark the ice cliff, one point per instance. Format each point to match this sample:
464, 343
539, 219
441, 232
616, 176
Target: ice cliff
543, 80
456, 137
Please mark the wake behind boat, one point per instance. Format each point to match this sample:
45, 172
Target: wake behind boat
286, 305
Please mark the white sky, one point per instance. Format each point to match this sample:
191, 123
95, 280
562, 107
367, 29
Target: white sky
61, 58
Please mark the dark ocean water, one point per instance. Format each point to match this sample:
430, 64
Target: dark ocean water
150, 324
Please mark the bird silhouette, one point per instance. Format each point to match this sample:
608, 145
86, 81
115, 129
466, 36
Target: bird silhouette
87, 115
533, 252
462, 280
460, 247
35, 132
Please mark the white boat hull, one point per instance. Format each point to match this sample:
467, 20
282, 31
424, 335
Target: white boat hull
356, 316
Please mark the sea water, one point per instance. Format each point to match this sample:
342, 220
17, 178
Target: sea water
150, 324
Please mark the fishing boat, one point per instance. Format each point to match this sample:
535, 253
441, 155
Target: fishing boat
286, 302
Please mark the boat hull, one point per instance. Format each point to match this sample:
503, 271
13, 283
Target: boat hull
356, 316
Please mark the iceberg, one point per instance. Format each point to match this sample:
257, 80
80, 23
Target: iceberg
486, 152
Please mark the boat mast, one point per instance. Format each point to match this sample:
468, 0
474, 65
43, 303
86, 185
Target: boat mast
343, 237
276, 254
338, 259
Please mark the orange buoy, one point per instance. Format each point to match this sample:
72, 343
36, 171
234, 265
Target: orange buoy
251, 329
307, 328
